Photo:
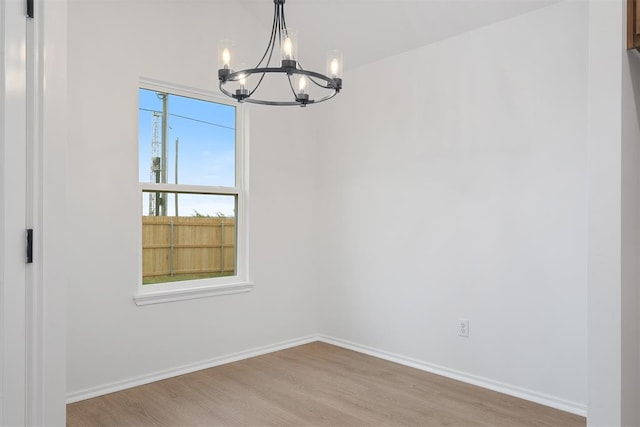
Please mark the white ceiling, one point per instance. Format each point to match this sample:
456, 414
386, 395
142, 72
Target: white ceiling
369, 30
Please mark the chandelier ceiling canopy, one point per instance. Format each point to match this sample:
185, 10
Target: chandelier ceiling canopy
306, 87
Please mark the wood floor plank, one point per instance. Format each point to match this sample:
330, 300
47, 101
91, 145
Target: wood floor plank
313, 385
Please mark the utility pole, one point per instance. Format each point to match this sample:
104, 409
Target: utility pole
165, 135
176, 172
154, 198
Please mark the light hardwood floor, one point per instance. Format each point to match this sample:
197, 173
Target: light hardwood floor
313, 385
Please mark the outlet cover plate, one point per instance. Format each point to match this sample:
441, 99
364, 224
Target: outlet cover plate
463, 328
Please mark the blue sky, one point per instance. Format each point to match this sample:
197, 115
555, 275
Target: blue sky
206, 149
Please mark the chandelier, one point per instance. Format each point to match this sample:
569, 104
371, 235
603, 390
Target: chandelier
299, 81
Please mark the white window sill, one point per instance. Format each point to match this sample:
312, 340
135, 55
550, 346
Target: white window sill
162, 296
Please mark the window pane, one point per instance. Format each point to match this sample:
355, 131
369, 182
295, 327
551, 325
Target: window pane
197, 147
196, 240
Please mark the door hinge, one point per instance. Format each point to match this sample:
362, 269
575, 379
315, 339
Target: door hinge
29, 257
30, 9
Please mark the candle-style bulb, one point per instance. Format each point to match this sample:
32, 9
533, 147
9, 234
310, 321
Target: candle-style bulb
335, 66
302, 84
243, 81
287, 48
226, 57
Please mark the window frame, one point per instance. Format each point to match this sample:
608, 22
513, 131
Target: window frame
200, 288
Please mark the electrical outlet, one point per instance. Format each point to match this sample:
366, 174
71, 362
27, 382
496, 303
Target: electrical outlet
463, 328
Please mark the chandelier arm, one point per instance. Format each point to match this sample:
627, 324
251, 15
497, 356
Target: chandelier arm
291, 86
281, 27
267, 64
331, 83
257, 85
272, 45
284, 21
271, 39
313, 80
276, 30
317, 84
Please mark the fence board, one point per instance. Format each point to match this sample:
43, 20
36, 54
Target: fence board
187, 245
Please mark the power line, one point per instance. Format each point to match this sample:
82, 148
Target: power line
190, 118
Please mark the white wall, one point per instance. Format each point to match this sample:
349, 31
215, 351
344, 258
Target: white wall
110, 339
459, 189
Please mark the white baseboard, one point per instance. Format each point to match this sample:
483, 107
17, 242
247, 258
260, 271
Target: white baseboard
89, 393
511, 390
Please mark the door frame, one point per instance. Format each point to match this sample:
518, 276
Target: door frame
47, 297
33, 195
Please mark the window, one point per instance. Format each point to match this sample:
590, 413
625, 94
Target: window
191, 173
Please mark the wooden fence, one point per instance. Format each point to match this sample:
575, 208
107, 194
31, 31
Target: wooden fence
187, 245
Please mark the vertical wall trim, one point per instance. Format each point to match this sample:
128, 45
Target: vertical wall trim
48, 215
606, 47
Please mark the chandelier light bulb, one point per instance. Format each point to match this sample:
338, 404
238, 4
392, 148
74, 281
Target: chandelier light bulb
335, 67
226, 58
288, 48
302, 84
